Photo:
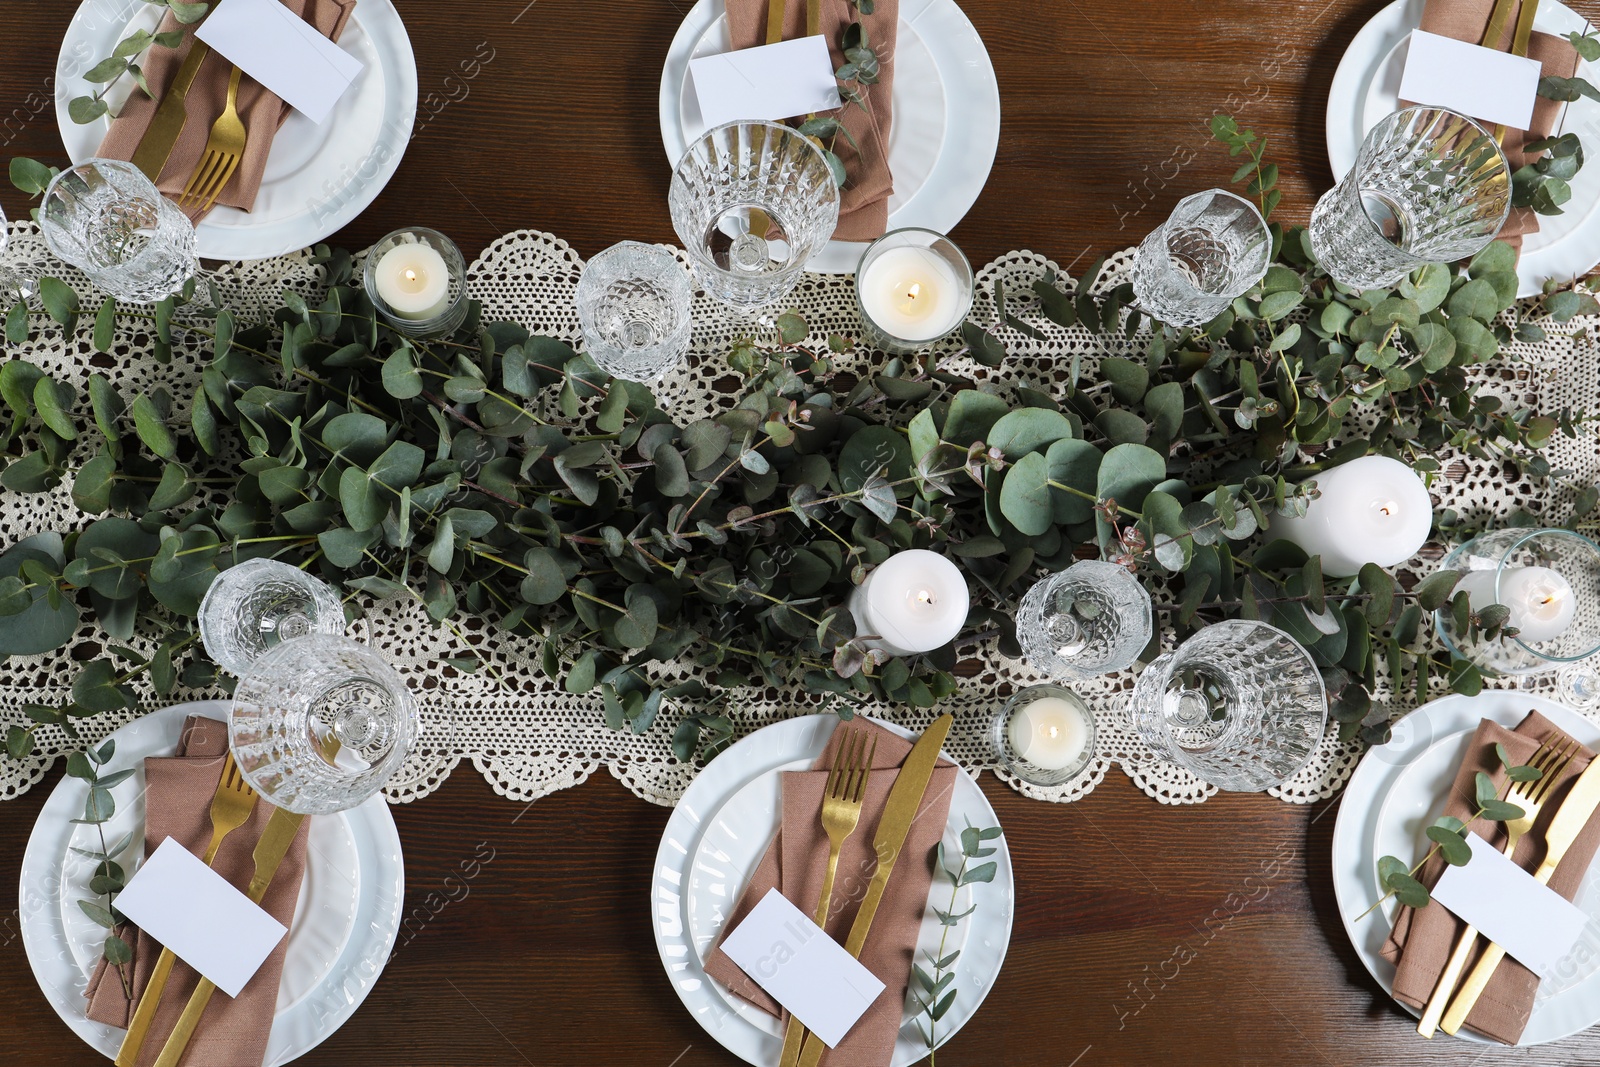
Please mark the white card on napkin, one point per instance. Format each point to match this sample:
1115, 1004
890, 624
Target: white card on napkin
195, 912
804, 969
1493, 87
774, 81
1536, 925
282, 51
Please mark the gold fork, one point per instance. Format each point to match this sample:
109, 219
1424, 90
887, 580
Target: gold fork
1550, 759
223, 149
841, 811
230, 809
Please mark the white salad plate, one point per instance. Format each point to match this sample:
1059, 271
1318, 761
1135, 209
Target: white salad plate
717, 835
318, 178
1366, 88
1396, 793
946, 115
344, 925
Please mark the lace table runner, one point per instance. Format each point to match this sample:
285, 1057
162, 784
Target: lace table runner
526, 736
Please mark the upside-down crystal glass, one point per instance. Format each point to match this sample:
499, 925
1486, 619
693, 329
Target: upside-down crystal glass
1550, 581
259, 604
1429, 186
320, 723
752, 202
1091, 618
1212, 249
1240, 705
106, 218
633, 307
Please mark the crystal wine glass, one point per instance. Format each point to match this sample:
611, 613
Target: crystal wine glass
1209, 252
1549, 580
633, 307
319, 724
752, 202
1089, 619
1240, 705
1428, 186
107, 219
258, 604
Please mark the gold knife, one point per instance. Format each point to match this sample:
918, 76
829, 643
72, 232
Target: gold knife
162, 133
905, 800
1569, 821
270, 850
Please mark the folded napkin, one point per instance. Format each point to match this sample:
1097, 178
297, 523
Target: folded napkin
263, 112
1422, 939
177, 800
864, 200
796, 863
1466, 20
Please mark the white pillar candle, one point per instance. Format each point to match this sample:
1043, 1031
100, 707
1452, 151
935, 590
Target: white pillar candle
1051, 733
915, 601
913, 294
1542, 602
414, 281
1371, 510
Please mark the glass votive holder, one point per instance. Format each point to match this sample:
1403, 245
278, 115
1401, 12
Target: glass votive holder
1043, 735
1089, 619
1550, 582
416, 278
633, 308
106, 218
913, 286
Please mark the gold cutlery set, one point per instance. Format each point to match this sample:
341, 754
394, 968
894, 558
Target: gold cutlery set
231, 807
224, 148
841, 813
1572, 815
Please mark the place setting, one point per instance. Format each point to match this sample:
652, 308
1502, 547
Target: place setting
266, 133
263, 864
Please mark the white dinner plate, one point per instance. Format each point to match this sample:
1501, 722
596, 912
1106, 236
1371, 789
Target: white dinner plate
946, 115
1398, 790
713, 842
1366, 88
344, 925
317, 178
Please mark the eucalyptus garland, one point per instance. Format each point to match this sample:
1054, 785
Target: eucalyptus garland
502, 474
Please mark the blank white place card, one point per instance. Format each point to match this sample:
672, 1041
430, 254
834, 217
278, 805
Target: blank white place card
774, 81
203, 919
1537, 926
283, 52
1493, 87
804, 969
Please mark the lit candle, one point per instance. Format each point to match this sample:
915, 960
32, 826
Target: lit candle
1052, 732
915, 601
1371, 510
1541, 601
912, 294
413, 281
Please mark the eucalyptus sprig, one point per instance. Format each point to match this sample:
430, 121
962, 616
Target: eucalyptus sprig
109, 875
860, 69
934, 986
125, 59
1449, 835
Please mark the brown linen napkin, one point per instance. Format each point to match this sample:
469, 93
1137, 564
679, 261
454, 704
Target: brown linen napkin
864, 200
797, 861
1422, 939
1466, 20
178, 791
263, 112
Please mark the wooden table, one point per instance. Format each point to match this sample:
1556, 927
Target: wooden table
1144, 934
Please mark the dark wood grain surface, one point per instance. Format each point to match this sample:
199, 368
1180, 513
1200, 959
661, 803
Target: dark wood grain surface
1145, 935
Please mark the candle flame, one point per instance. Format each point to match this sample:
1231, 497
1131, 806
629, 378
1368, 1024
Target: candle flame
411, 275
915, 291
